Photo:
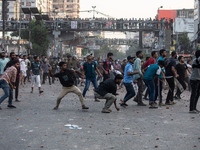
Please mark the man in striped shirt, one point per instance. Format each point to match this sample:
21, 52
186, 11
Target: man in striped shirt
7, 82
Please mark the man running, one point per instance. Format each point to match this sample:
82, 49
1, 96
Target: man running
128, 81
7, 82
181, 69
151, 74
161, 79
138, 77
170, 74
67, 79
151, 60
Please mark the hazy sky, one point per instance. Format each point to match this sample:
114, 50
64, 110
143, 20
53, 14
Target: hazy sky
132, 8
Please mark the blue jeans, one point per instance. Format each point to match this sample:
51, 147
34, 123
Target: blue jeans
130, 91
158, 92
8, 92
87, 85
151, 87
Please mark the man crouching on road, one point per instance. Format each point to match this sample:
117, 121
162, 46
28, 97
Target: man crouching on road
107, 90
67, 78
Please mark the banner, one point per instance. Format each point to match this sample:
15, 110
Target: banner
183, 25
74, 25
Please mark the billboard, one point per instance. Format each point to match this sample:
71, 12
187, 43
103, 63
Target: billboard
74, 25
148, 39
184, 25
167, 14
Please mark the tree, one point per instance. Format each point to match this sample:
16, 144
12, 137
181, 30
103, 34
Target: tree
39, 37
102, 53
184, 42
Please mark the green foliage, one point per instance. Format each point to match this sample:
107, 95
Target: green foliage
184, 42
39, 37
24, 34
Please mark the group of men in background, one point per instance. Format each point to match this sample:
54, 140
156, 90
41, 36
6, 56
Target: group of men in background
132, 73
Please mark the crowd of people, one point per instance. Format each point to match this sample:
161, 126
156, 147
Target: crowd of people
107, 76
97, 23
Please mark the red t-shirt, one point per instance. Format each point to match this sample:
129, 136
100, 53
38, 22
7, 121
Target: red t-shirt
149, 62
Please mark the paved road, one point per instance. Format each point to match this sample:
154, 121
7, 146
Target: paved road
34, 125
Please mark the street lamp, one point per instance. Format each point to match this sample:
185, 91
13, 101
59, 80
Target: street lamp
158, 12
93, 11
20, 7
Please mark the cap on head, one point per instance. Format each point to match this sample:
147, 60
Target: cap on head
89, 54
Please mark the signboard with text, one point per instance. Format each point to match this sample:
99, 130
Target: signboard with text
184, 25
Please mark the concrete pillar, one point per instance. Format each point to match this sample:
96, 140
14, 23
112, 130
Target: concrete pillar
140, 39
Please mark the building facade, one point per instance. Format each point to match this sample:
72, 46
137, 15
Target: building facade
185, 13
196, 21
13, 8
66, 8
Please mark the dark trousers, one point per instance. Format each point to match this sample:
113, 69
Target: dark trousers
146, 93
140, 84
106, 76
17, 88
87, 85
45, 75
195, 91
158, 91
130, 91
182, 82
151, 87
170, 95
53, 79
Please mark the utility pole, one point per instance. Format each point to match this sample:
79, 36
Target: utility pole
93, 11
3, 18
19, 27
